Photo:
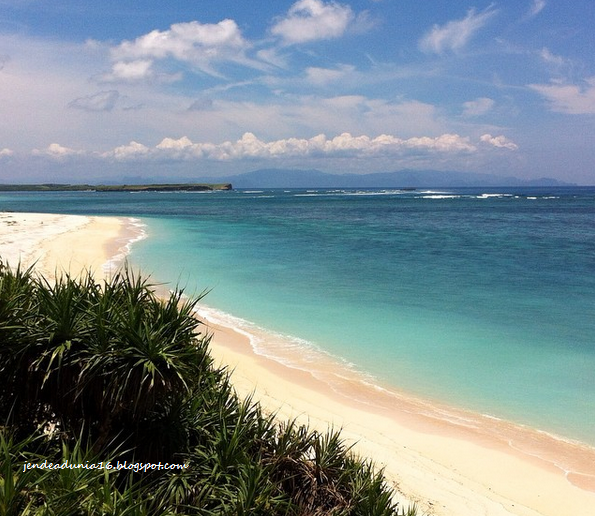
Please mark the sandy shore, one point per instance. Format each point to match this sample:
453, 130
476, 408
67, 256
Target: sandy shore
448, 461
61, 243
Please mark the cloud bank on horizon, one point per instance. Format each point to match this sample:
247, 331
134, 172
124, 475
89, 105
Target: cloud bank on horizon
347, 86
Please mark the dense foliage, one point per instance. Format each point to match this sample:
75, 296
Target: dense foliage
111, 372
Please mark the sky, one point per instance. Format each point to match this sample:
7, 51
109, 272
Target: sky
111, 89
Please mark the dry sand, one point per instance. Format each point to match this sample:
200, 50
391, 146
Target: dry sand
447, 461
56, 244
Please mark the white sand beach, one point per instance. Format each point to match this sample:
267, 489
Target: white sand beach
55, 244
449, 462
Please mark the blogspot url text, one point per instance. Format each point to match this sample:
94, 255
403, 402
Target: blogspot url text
117, 466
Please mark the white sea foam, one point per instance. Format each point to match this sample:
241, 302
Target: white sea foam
493, 195
434, 192
137, 233
377, 192
334, 193
346, 381
441, 196
288, 350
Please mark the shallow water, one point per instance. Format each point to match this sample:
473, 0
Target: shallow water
482, 298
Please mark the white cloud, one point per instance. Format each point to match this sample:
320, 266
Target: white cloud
272, 56
57, 151
198, 44
131, 71
478, 107
311, 20
454, 35
178, 149
324, 76
536, 7
550, 58
184, 41
569, 98
102, 101
170, 143
6, 153
132, 151
250, 147
499, 141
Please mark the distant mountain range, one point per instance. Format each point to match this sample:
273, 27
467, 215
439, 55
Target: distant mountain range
288, 178
292, 178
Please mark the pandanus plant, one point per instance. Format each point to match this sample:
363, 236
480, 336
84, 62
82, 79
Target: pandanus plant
110, 371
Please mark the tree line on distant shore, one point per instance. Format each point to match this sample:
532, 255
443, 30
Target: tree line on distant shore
158, 187
95, 373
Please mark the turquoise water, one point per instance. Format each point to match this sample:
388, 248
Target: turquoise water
483, 298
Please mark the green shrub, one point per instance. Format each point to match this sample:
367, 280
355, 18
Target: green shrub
112, 372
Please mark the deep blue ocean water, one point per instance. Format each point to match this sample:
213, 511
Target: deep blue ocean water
482, 298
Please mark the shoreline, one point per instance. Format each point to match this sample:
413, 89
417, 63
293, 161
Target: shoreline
55, 244
447, 467
446, 460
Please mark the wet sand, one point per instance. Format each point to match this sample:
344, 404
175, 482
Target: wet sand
447, 461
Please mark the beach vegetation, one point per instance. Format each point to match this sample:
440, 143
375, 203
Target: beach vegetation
112, 374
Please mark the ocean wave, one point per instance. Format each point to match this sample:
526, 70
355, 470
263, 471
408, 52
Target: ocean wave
343, 379
493, 195
288, 350
136, 231
434, 192
443, 196
362, 193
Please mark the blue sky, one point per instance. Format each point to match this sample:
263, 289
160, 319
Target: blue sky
93, 91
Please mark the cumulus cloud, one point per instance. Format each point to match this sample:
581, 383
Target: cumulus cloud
251, 147
190, 41
311, 20
569, 98
4, 153
194, 43
170, 143
133, 70
57, 151
478, 107
102, 101
132, 151
455, 34
499, 141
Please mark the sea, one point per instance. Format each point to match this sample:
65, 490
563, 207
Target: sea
479, 298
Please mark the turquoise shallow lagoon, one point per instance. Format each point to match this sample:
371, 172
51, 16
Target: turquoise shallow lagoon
481, 298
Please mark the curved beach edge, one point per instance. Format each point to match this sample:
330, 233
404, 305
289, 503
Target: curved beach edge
447, 468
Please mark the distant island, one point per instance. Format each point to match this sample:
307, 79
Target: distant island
292, 178
298, 178
169, 187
